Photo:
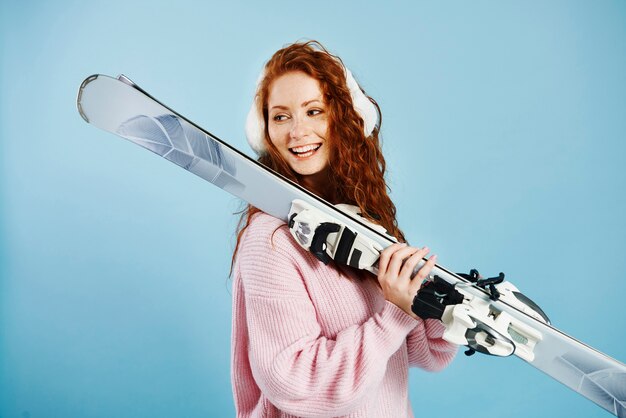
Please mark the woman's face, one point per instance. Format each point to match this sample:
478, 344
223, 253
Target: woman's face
298, 122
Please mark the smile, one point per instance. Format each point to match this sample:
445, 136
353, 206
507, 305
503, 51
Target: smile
305, 151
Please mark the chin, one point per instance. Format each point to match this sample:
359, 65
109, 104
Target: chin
308, 169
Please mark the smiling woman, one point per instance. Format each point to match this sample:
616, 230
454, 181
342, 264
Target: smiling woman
311, 339
298, 126
296, 76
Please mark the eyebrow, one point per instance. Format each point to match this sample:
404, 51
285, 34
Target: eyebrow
308, 102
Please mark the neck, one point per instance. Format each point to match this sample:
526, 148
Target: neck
320, 184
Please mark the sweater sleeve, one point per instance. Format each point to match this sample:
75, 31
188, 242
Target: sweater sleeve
295, 366
426, 347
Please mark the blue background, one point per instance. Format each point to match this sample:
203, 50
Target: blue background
504, 130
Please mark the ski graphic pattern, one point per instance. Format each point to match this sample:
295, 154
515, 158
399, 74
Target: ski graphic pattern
179, 142
120, 107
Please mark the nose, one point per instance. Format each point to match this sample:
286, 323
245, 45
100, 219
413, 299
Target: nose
299, 129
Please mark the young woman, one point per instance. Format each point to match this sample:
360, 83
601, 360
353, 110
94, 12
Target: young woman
324, 340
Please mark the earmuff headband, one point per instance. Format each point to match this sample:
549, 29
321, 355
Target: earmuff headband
255, 125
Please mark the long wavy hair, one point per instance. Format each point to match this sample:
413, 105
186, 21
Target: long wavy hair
356, 163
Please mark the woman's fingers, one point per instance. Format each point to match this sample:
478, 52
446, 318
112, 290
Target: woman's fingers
397, 260
409, 265
400, 260
422, 273
385, 256
395, 269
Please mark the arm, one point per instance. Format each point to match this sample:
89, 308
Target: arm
426, 347
296, 367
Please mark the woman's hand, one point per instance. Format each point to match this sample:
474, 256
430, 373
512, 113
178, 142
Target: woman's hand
395, 267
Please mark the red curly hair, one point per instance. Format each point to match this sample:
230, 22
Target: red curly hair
356, 163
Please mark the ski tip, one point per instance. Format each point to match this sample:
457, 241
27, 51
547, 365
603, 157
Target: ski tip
80, 95
87, 81
126, 80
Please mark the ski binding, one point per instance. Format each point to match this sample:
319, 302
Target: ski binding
471, 321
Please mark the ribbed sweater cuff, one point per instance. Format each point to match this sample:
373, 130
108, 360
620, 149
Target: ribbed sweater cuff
396, 325
434, 328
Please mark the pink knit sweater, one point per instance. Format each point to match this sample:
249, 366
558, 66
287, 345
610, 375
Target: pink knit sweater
311, 340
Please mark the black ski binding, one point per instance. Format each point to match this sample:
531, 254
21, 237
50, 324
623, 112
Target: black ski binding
488, 284
433, 297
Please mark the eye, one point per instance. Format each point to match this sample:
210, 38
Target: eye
313, 112
279, 118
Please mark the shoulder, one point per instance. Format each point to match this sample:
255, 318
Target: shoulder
268, 236
270, 262
264, 227
261, 222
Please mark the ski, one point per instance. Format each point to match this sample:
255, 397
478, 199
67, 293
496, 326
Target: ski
507, 324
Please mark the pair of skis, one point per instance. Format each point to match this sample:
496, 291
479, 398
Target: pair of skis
119, 106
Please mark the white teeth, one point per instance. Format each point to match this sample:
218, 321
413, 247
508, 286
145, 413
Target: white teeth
305, 148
